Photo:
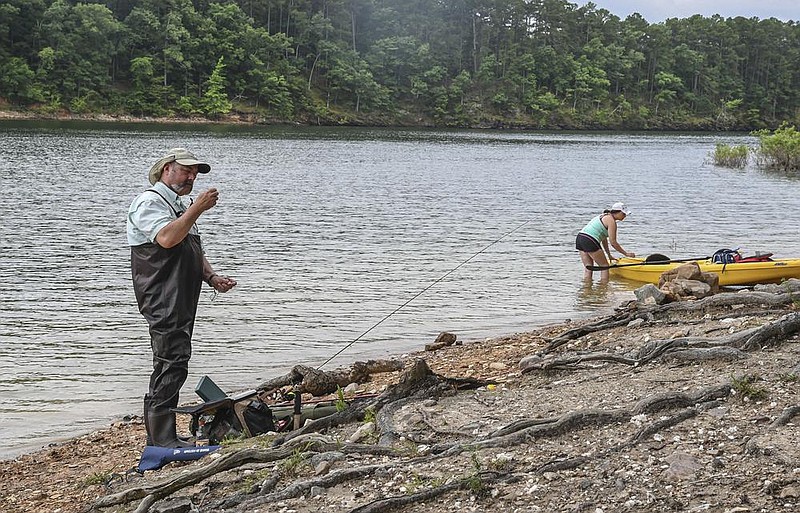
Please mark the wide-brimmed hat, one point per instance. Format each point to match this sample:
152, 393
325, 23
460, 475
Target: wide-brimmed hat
183, 157
620, 207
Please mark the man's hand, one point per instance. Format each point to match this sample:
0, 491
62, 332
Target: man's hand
221, 283
207, 199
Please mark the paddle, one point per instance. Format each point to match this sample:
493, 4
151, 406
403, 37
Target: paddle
660, 259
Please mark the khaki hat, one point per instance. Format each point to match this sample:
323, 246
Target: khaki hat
183, 157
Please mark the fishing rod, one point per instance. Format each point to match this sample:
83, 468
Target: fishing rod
445, 275
660, 261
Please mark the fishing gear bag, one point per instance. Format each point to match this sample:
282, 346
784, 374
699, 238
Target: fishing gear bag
255, 417
725, 256
216, 420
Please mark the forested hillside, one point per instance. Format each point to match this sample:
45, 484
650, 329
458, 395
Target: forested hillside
524, 63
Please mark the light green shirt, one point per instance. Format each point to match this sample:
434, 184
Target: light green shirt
149, 213
595, 229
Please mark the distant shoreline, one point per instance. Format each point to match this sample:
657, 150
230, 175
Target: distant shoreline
245, 120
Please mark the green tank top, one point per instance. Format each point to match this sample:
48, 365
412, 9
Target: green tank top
595, 229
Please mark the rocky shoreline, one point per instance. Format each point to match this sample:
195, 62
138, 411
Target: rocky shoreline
688, 406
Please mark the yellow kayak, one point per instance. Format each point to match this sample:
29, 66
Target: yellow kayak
743, 273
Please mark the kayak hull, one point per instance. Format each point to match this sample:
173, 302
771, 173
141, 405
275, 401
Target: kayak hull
747, 273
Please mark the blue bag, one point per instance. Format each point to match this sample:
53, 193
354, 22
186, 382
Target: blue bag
153, 458
726, 256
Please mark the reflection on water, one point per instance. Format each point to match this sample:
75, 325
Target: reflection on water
594, 293
327, 231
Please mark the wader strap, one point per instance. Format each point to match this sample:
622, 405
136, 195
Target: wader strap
169, 204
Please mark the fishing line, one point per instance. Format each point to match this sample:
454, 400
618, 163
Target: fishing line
445, 275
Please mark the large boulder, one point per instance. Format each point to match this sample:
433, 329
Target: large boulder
650, 295
688, 271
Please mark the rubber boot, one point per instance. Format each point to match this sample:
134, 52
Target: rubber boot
162, 430
147, 419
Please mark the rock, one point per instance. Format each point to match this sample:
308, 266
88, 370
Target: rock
362, 432
330, 456
322, 468
681, 465
713, 280
638, 321
688, 271
684, 288
443, 340
530, 362
351, 389
316, 491
498, 366
772, 288
649, 294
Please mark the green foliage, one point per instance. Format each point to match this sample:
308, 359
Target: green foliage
780, 149
97, 478
730, 156
539, 63
17, 81
369, 415
291, 466
341, 405
215, 102
746, 389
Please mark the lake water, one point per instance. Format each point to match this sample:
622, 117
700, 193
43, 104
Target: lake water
328, 230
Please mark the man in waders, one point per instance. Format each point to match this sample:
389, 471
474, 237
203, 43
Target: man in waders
169, 268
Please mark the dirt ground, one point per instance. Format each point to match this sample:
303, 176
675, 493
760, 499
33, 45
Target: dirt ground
577, 436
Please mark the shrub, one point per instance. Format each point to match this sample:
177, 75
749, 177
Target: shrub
781, 149
730, 156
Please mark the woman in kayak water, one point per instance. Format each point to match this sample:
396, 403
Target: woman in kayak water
592, 241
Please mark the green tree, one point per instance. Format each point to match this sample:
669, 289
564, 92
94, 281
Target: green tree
215, 100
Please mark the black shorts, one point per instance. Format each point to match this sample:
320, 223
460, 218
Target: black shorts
587, 243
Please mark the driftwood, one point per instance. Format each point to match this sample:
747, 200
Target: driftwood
317, 383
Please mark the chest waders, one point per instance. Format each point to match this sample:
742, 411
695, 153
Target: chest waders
167, 283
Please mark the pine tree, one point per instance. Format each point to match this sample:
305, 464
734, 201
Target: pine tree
215, 100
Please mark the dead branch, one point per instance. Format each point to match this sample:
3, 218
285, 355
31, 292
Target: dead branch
318, 383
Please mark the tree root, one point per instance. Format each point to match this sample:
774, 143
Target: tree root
571, 421
417, 379
724, 300
303, 487
391, 503
785, 417
157, 491
682, 349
